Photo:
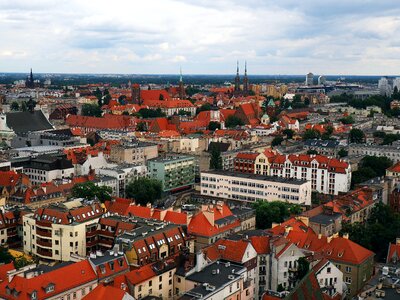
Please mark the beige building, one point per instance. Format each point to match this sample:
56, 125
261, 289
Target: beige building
61, 230
133, 153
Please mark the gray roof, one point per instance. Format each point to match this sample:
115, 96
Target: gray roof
321, 143
25, 121
325, 219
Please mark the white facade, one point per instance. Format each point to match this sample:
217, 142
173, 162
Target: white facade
284, 266
390, 151
322, 179
38, 176
384, 87
91, 163
250, 188
330, 278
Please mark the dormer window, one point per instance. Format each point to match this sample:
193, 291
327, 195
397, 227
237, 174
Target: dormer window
50, 288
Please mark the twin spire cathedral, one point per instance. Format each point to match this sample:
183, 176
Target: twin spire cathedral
238, 90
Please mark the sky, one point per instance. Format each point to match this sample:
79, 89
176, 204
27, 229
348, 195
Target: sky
344, 37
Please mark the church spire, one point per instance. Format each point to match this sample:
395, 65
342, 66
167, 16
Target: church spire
181, 86
245, 79
237, 78
180, 77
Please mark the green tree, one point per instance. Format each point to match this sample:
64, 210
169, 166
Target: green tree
312, 152
14, 106
98, 94
289, 133
184, 113
347, 120
5, 256
233, 121
273, 212
24, 107
277, 141
342, 153
22, 261
89, 190
214, 125
370, 167
303, 267
141, 126
151, 113
390, 138
91, 110
356, 136
144, 190
215, 159
204, 107
122, 99
311, 134
125, 113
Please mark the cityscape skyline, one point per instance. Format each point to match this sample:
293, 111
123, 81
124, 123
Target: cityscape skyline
202, 37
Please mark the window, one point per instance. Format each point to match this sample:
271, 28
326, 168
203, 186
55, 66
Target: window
347, 279
160, 287
348, 269
150, 283
328, 270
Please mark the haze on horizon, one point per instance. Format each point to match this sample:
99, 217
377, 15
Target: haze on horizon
355, 37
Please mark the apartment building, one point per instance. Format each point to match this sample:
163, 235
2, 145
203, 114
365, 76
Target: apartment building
60, 230
175, 173
133, 152
253, 187
327, 175
329, 277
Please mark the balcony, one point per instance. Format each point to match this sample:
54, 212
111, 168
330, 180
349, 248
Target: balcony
106, 242
246, 283
91, 243
43, 224
44, 243
11, 232
91, 233
41, 232
44, 252
106, 233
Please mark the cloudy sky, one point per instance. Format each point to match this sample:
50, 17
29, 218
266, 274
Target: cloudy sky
201, 36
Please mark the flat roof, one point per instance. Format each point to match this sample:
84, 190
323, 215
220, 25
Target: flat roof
256, 176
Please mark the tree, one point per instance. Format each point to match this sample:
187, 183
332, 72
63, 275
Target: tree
24, 107
356, 136
312, 152
184, 113
274, 212
125, 113
22, 261
151, 113
233, 121
303, 266
5, 256
311, 134
14, 106
390, 138
277, 141
370, 167
89, 190
141, 126
215, 159
347, 120
98, 94
289, 133
342, 153
144, 190
204, 107
91, 110
214, 125
122, 99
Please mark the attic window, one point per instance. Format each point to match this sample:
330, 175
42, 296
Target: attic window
34, 295
50, 288
102, 269
340, 254
329, 252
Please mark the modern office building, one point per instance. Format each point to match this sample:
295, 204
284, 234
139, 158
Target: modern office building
253, 187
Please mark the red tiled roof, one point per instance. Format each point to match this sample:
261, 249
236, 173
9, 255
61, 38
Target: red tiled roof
395, 168
228, 250
154, 95
105, 292
64, 279
260, 244
393, 252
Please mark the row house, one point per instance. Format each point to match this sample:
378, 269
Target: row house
88, 124
151, 280
152, 241
60, 230
10, 227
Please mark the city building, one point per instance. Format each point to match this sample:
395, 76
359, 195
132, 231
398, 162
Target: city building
390, 151
253, 187
175, 173
384, 86
60, 231
133, 152
310, 79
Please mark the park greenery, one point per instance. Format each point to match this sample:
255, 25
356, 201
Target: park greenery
144, 190
274, 212
91, 110
90, 191
233, 121
382, 228
370, 167
215, 159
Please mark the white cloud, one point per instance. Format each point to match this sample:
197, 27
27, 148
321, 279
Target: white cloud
203, 36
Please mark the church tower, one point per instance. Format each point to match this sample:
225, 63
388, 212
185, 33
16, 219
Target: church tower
30, 83
245, 80
237, 79
181, 87
135, 94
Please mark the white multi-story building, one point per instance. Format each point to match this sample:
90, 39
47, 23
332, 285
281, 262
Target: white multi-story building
310, 79
327, 175
390, 151
252, 187
384, 87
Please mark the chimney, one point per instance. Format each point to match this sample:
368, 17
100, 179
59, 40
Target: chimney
346, 236
397, 241
319, 236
